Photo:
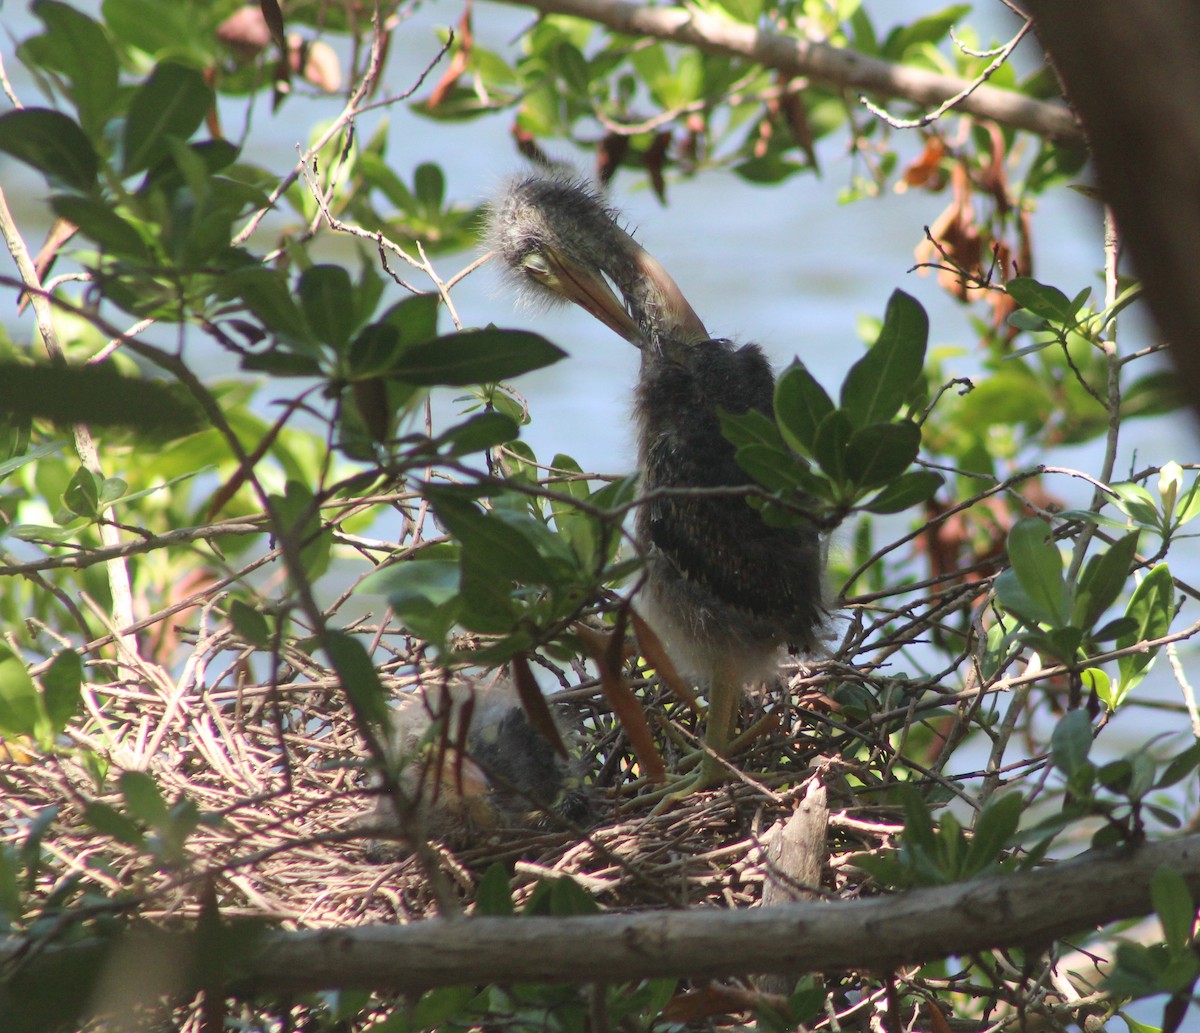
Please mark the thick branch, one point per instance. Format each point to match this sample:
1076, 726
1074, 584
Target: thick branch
1029, 909
833, 66
1130, 70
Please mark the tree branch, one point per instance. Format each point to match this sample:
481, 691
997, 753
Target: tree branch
1130, 69
1028, 909
833, 66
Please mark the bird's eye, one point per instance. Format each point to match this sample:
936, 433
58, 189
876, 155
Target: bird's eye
535, 264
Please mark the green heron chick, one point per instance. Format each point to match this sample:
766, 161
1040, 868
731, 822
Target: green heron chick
508, 775
724, 591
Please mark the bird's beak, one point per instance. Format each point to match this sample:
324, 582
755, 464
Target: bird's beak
686, 326
591, 292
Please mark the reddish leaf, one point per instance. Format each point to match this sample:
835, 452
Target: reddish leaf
610, 152
458, 63
651, 648
994, 179
535, 706
246, 33
621, 698
927, 170
317, 62
527, 145
716, 999
791, 106
654, 161
273, 17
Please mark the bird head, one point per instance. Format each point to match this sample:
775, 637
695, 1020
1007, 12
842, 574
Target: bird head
561, 242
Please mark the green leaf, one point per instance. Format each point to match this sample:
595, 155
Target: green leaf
110, 822
1022, 319
879, 454
907, 490
994, 828
325, 293
1103, 580
1071, 742
918, 821
265, 292
360, 680
1038, 566
379, 175
82, 496
1175, 908
171, 103
53, 144
578, 528
415, 318
301, 522
878, 384
374, 351
800, 406
831, 444
751, 428
95, 395
772, 468
250, 624
482, 431
567, 897
423, 591
1137, 503
490, 542
60, 688
32, 456
769, 169
434, 1010
78, 48
429, 186
747, 11
112, 489
20, 705
100, 223
475, 357
1180, 767
142, 798
1042, 300
932, 28
434, 578
492, 895
1151, 608
1097, 681
152, 26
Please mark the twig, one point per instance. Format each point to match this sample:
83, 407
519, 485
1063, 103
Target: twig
958, 98
85, 445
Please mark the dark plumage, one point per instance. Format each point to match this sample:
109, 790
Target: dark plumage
724, 591
723, 585
510, 775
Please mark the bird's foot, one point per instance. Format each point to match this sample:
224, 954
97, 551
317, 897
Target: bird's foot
710, 772
700, 769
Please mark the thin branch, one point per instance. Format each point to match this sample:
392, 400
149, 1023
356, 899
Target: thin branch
85, 445
958, 99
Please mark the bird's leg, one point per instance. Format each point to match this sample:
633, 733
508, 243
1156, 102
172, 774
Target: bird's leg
724, 694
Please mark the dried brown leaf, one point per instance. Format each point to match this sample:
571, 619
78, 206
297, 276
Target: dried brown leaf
651, 647
606, 652
535, 706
